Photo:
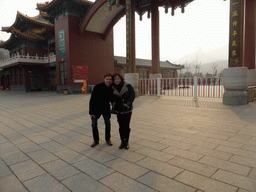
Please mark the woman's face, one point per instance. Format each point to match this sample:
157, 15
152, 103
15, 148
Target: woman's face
117, 80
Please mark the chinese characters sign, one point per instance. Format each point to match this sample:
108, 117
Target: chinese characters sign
235, 33
80, 72
62, 48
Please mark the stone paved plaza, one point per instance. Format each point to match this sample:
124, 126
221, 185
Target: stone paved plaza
176, 144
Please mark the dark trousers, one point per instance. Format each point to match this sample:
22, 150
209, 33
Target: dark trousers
124, 126
95, 131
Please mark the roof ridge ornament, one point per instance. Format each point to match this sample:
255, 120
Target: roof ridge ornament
182, 6
173, 7
140, 14
166, 6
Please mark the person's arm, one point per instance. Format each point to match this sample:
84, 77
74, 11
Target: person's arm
130, 95
93, 101
112, 97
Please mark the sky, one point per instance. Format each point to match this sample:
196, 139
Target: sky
200, 34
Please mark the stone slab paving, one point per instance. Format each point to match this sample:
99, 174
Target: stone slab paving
177, 144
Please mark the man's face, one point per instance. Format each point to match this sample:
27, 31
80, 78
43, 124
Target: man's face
108, 80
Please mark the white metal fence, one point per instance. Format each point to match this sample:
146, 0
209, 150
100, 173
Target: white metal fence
188, 87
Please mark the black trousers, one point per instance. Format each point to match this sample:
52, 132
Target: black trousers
95, 131
124, 126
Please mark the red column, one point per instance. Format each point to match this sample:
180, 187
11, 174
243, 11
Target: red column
133, 36
155, 37
249, 34
130, 36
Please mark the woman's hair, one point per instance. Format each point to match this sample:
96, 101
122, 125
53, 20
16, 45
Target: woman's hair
119, 75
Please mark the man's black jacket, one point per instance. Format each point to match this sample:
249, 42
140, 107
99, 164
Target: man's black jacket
100, 98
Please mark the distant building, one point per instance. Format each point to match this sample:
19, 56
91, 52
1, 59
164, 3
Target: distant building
143, 67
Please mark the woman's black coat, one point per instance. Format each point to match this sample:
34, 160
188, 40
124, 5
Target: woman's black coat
123, 95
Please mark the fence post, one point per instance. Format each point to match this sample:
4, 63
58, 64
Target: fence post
195, 87
158, 86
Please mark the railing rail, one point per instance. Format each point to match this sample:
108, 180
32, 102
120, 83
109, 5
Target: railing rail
27, 59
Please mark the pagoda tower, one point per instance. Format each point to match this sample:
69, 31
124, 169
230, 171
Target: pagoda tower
30, 39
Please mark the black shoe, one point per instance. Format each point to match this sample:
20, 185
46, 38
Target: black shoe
126, 146
122, 145
94, 144
109, 143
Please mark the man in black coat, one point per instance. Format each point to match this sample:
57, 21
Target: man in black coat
99, 105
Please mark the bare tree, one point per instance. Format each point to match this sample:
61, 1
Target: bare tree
214, 67
187, 68
197, 66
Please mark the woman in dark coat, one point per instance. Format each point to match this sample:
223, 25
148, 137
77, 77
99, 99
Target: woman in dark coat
124, 96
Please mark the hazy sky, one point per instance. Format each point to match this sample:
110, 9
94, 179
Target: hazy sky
204, 26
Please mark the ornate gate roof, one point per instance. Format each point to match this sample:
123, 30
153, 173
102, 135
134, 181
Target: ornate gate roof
104, 14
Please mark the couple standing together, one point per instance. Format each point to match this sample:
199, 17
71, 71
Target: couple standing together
121, 95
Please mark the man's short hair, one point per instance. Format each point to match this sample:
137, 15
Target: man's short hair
107, 75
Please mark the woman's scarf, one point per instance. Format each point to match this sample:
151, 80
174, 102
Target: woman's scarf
119, 86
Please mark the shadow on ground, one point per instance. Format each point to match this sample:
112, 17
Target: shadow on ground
246, 112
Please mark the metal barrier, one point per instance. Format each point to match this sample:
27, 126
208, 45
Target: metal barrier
189, 87
210, 87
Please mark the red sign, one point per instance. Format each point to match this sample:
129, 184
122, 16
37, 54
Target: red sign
80, 72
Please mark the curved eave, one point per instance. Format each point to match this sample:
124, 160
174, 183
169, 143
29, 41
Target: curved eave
44, 15
10, 40
45, 6
8, 29
29, 19
40, 15
27, 36
99, 18
32, 19
45, 30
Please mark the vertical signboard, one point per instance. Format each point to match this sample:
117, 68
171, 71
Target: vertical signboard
235, 33
62, 48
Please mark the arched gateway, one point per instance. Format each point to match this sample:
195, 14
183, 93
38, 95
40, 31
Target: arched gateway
103, 15
89, 40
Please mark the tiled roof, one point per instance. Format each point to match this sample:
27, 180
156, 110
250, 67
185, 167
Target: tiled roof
39, 20
148, 63
48, 4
